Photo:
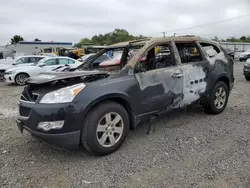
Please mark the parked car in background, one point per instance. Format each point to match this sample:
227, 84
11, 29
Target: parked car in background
96, 63
19, 62
245, 55
246, 70
49, 54
18, 75
95, 108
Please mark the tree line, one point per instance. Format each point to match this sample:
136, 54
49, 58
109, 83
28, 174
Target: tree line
121, 35
118, 35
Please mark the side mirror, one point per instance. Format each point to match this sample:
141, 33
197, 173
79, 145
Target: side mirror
14, 64
42, 64
211, 53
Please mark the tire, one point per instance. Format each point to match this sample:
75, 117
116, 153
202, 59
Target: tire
20, 78
92, 141
210, 105
247, 78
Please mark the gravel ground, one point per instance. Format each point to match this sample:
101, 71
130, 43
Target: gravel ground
188, 150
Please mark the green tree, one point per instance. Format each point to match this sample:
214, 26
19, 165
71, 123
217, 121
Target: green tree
118, 35
16, 39
216, 38
82, 42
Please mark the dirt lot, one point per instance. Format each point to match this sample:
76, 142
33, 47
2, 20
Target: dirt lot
192, 150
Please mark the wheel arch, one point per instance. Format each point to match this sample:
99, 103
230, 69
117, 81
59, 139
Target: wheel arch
119, 98
222, 77
19, 74
22, 73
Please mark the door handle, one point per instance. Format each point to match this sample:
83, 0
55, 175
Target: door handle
177, 75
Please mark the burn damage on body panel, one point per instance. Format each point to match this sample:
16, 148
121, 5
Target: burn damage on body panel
184, 90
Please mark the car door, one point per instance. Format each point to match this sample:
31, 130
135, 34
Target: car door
161, 86
195, 68
50, 64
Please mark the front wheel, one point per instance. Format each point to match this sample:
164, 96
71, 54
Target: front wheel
20, 78
105, 128
218, 99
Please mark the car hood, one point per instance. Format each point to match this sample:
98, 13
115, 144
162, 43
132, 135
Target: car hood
5, 66
24, 68
47, 77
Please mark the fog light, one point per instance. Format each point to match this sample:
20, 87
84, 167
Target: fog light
46, 126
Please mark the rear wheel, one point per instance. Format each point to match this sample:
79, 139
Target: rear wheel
20, 78
218, 99
247, 78
105, 128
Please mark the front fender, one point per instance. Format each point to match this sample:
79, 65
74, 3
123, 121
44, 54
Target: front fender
122, 96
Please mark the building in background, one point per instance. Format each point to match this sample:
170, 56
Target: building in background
29, 48
5, 52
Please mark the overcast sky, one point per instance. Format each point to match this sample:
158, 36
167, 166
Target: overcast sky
69, 21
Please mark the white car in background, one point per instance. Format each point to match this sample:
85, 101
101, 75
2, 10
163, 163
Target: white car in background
245, 55
18, 75
20, 61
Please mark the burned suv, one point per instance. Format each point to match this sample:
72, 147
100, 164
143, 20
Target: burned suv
95, 107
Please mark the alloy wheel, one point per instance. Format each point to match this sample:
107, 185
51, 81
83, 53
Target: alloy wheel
20, 79
109, 129
220, 98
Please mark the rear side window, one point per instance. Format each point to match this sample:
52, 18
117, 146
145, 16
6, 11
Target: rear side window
38, 58
63, 61
32, 60
189, 52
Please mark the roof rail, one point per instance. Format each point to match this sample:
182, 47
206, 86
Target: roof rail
139, 40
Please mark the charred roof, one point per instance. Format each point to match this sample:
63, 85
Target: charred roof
158, 39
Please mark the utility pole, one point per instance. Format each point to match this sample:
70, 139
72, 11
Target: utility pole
164, 33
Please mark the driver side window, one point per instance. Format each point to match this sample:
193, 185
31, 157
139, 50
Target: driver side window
51, 62
160, 56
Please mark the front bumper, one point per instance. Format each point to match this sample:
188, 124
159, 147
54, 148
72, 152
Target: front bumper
63, 140
9, 78
244, 58
68, 137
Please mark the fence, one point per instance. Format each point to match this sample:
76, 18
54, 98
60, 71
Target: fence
237, 47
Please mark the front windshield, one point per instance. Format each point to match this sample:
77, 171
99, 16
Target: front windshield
114, 58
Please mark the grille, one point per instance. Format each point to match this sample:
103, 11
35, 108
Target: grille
25, 112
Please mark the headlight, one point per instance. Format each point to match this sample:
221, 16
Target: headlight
10, 72
63, 95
